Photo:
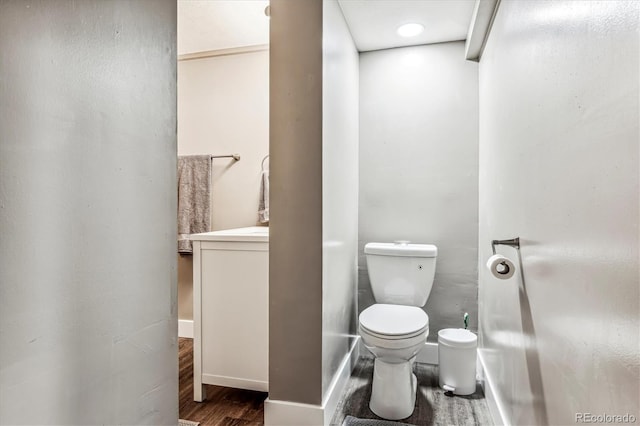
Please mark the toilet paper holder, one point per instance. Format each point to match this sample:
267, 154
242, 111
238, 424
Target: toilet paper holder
514, 242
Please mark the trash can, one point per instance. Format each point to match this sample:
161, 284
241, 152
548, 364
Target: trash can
457, 350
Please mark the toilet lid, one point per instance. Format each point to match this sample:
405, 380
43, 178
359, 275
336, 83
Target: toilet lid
394, 320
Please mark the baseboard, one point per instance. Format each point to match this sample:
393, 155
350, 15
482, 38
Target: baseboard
496, 409
340, 380
286, 413
185, 328
427, 355
234, 382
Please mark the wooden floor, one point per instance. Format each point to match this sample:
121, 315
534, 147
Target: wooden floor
237, 407
433, 407
224, 406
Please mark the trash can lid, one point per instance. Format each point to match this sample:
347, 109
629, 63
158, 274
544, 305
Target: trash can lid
457, 337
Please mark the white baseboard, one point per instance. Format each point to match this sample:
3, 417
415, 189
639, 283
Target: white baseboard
496, 409
234, 382
286, 413
185, 328
340, 380
427, 355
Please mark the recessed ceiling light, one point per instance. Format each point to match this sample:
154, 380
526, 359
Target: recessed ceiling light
410, 30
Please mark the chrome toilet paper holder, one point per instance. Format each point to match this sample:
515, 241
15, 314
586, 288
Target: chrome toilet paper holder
514, 242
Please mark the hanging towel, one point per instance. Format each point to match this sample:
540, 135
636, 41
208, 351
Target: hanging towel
263, 205
194, 198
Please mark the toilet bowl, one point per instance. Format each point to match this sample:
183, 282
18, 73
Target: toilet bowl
394, 334
395, 329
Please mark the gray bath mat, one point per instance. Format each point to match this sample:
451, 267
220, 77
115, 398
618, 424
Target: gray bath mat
187, 423
354, 421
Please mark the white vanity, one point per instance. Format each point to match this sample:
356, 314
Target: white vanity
231, 309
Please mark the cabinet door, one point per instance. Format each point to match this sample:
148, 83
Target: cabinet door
235, 320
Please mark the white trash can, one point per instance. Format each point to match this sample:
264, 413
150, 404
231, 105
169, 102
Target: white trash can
457, 349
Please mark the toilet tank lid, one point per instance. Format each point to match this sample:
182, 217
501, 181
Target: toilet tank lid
401, 248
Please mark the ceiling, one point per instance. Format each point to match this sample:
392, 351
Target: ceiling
373, 23
205, 25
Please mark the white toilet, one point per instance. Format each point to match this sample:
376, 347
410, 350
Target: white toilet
396, 328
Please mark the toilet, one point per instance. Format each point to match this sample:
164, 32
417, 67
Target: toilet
396, 328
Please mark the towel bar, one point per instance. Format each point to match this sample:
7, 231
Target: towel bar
234, 156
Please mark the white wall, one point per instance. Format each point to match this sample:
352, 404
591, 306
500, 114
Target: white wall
223, 108
559, 167
419, 168
88, 213
339, 191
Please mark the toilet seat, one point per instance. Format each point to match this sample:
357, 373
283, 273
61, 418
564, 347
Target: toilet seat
393, 322
372, 341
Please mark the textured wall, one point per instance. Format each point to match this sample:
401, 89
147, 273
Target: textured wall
295, 240
223, 108
559, 168
88, 206
339, 191
419, 168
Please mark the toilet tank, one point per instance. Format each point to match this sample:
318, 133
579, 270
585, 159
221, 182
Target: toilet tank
401, 273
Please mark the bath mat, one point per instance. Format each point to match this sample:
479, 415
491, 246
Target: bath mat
187, 423
354, 421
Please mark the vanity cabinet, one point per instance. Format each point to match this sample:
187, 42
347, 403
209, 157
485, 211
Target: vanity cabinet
231, 309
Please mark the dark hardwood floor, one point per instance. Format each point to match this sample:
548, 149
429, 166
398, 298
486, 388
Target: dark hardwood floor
223, 406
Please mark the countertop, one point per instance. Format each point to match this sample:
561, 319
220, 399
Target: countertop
251, 233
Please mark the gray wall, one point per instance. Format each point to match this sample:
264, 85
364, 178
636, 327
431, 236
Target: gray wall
419, 168
339, 191
295, 240
559, 134
87, 202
